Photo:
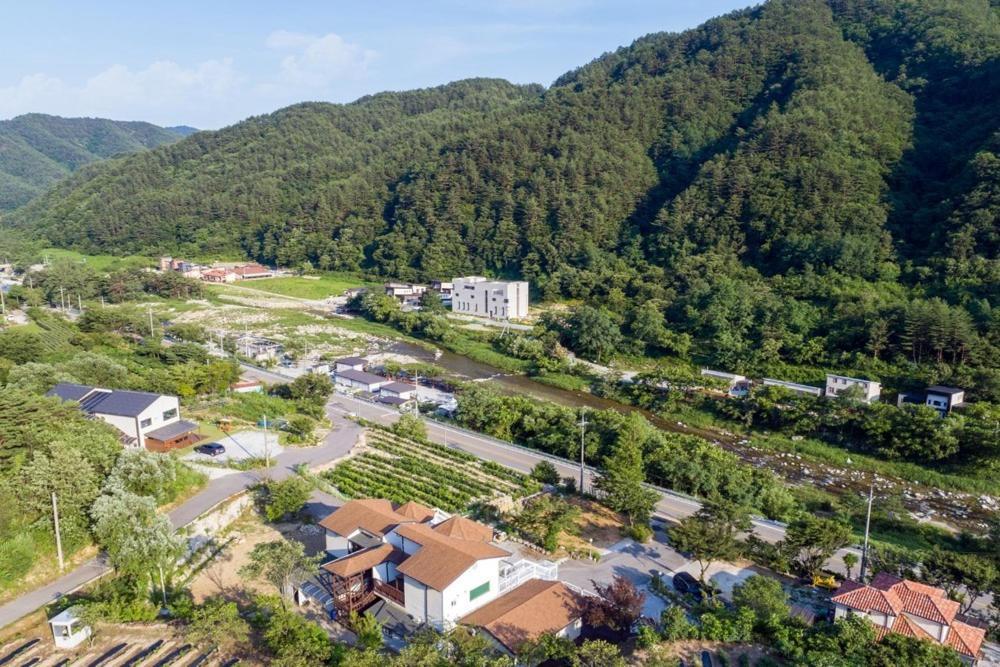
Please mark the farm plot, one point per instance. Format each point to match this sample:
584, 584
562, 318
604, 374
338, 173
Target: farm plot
401, 470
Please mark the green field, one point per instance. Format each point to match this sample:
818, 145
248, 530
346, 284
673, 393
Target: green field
100, 263
331, 284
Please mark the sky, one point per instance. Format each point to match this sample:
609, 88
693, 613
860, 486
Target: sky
212, 63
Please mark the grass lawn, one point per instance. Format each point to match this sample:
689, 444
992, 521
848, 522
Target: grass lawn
100, 262
321, 287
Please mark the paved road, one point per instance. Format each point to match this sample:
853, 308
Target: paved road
336, 444
672, 507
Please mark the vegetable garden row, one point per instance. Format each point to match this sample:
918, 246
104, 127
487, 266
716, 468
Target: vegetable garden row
401, 469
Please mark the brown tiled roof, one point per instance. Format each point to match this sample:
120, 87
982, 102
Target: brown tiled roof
442, 559
931, 607
374, 515
527, 612
414, 510
362, 560
965, 638
464, 529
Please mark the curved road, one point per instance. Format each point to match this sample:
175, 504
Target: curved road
336, 444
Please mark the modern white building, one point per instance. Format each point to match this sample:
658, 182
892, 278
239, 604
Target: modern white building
145, 420
68, 631
349, 364
439, 569
869, 391
944, 399
495, 299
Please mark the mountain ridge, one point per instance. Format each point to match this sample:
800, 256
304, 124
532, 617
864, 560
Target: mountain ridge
36, 149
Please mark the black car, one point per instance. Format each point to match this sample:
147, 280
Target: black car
706, 659
685, 584
210, 449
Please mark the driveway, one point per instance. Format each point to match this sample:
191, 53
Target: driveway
725, 576
241, 447
636, 562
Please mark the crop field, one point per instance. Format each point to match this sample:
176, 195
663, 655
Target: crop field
332, 284
99, 262
401, 469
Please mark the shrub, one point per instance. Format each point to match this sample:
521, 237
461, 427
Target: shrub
300, 428
640, 532
647, 637
285, 498
545, 473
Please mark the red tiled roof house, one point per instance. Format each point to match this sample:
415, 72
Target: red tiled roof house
909, 608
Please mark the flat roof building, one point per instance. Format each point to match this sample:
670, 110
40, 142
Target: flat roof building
495, 299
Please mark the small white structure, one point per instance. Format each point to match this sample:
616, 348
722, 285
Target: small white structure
738, 384
359, 380
944, 399
68, 631
838, 384
246, 387
495, 299
349, 364
402, 390
806, 389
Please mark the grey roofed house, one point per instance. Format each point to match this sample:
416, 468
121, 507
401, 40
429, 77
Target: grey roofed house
360, 377
352, 361
392, 400
119, 402
68, 391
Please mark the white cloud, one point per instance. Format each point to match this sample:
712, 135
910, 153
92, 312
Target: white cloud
316, 62
153, 93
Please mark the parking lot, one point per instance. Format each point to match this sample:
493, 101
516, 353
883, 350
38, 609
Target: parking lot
242, 446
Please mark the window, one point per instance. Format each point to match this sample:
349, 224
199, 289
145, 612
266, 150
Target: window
145, 422
478, 591
170, 414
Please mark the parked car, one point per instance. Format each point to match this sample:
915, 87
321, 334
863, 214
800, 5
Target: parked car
210, 449
706, 659
685, 584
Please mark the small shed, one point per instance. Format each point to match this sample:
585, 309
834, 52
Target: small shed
68, 631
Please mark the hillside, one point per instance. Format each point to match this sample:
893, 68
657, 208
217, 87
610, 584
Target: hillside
36, 150
803, 182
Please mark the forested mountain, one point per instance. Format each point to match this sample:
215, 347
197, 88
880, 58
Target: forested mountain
36, 150
806, 182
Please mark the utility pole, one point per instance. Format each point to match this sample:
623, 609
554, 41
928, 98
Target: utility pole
868, 523
62, 299
79, 302
583, 430
163, 587
150, 311
267, 447
3, 304
55, 519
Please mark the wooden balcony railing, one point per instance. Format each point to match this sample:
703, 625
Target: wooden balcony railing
390, 592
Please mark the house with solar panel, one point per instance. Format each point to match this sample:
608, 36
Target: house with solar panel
144, 419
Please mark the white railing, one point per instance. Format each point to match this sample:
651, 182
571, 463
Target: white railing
515, 573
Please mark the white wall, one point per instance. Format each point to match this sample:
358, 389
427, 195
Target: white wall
456, 596
126, 425
155, 413
415, 597
490, 298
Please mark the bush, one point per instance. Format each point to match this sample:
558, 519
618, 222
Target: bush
300, 428
640, 532
285, 498
647, 637
545, 473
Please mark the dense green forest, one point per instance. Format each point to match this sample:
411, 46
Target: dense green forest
798, 186
36, 150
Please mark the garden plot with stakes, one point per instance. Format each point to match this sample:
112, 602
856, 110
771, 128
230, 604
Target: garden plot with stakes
402, 469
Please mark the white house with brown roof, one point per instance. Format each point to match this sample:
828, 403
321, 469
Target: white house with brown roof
909, 608
435, 567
